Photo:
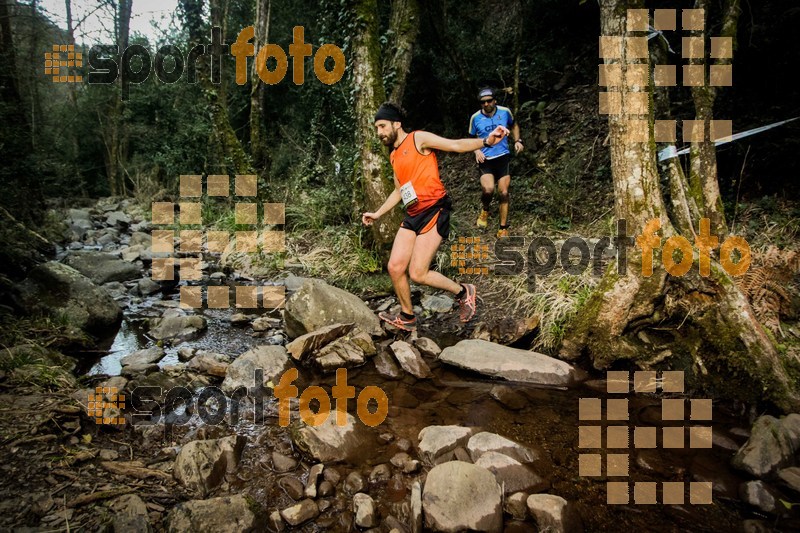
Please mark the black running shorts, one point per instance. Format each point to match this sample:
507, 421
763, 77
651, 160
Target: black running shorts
424, 221
498, 167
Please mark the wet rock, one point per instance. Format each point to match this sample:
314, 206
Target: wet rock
379, 473
131, 254
147, 286
326, 489
240, 319
364, 508
143, 357
131, 371
461, 454
791, 477
282, 463
553, 513
461, 496
508, 363
140, 238
317, 304
484, 442
393, 524
771, 445
118, 219
201, 465
399, 459
436, 440
293, 487
130, 514
213, 364
345, 352
302, 512
56, 289
354, 482
757, 494
410, 360
386, 367
517, 505
227, 514
416, 507
272, 360
403, 445
755, 526
101, 267
293, 283
310, 342
330, 442
512, 475
276, 523
265, 323
185, 353
80, 221
437, 303
311, 483
409, 467
427, 347
332, 475
508, 397
177, 328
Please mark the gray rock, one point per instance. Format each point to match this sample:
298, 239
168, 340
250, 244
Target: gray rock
227, 514
143, 357
212, 364
517, 505
130, 371
313, 476
177, 328
791, 477
410, 360
282, 463
484, 441
146, 287
130, 514
330, 442
140, 238
332, 475
771, 445
427, 347
553, 513
58, 290
118, 219
512, 475
354, 482
461, 454
436, 440
380, 472
276, 522
508, 397
437, 303
310, 342
240, 319
102, 268
416, 507
755, 526
301, 512
409, 467
326, 489
264, 323
757, 494
386, 367
364, 508
272, 360
399, 459
317, 304
292, 486
508, 363
461, 496
201, 465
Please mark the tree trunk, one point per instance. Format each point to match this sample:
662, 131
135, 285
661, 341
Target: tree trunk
258, 132
115, 137
73, 98
404, 28
700, 324
374, 184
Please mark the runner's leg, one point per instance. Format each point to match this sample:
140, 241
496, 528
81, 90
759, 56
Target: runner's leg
502, 189
398, 267
424, 251
487, 190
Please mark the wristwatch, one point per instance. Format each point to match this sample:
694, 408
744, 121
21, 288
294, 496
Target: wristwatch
486, 144
519, 141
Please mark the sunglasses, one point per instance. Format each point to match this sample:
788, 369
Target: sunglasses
484, 102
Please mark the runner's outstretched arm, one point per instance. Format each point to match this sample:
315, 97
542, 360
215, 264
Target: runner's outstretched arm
427, 140
392, 200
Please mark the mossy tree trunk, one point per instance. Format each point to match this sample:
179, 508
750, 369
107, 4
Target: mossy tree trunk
403, 31
258, 132
701, 324
116, 136
373, 179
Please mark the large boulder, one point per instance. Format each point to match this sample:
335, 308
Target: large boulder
58, 290
460, 496
329, 441
512, 364
317, 304
512, 475
772, 445
143, 357
410, 360
227, 514
484, 442
201, 465
272, 360
313, 341
102, 268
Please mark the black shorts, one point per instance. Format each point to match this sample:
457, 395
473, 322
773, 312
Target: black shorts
498, 167
423, 222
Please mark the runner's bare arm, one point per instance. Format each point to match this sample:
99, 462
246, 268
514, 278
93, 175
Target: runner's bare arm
392, 200
429, 141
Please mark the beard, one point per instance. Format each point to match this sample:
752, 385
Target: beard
389, 139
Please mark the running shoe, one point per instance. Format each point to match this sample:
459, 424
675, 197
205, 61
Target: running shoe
483, 219
468, 303
399, 321
502, 233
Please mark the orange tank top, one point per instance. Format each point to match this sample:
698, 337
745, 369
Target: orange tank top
421, 170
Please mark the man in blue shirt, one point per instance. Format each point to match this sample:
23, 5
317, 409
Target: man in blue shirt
493, 161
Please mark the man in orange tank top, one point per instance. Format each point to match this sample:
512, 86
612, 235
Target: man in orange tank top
418, 185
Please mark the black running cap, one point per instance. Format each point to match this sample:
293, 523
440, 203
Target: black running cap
483, 93
388, 112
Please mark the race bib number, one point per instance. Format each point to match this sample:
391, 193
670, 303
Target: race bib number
408, 194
